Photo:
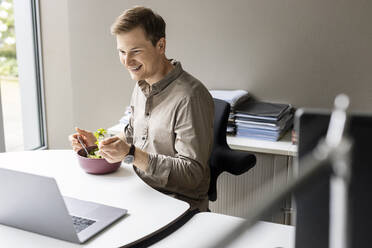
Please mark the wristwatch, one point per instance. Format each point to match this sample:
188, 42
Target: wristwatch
129, 158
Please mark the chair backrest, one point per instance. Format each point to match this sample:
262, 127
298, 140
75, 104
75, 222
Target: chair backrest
222, 157
221, 116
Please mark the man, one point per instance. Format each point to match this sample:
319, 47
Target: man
171, 127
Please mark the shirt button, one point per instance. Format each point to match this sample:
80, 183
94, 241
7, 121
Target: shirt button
143, 138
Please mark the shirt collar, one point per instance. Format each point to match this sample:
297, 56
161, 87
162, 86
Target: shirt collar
163, 83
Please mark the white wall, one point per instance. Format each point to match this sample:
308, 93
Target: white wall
297, 51
57, 72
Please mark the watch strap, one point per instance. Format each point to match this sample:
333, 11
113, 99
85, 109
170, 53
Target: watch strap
132, 149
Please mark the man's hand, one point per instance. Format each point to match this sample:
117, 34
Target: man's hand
86, 137
113, 149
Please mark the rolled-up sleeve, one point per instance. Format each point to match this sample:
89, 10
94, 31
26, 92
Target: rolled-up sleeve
193, 130
128, 131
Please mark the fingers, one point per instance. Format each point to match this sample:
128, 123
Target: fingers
84, 140
110, 148
87, 136
74, 143
82, 131
76, 148
114, 146
108, 144
113, 149
107, 156
109, 140
73, 138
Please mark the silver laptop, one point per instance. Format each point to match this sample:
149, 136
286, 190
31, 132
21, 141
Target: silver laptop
34, 203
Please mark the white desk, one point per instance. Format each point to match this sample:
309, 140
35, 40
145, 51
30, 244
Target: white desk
148, 209
204, 228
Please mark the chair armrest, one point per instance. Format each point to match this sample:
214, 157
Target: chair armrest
233, 161
240, 163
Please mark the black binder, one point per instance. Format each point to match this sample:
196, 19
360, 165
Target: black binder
263, 110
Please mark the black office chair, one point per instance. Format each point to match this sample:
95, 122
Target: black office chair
222, 157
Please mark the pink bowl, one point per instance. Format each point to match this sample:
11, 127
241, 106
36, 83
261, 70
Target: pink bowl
95, 165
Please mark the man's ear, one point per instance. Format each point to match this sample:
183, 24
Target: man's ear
161, 45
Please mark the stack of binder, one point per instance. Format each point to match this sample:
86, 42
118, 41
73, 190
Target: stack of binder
263, 120
234, 98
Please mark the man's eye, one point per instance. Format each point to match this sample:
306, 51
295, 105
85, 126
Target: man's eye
136, 51
121, 52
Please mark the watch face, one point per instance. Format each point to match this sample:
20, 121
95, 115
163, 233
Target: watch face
129, 159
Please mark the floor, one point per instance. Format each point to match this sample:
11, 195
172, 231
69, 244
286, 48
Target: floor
12, 115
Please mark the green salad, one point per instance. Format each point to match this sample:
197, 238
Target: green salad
100, 135
94, 154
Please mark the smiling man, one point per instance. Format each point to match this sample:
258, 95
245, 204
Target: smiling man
170, 134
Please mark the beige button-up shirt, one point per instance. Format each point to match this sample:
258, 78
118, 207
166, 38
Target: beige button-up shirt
172, 120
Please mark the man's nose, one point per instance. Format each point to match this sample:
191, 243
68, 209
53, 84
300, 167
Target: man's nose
127, 59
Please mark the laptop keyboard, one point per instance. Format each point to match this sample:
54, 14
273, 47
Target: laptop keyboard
81, 223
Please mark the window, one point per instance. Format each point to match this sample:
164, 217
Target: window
22, 118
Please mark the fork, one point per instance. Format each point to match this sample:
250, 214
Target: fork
82, 144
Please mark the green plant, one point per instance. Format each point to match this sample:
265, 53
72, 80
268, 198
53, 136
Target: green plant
8, 57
